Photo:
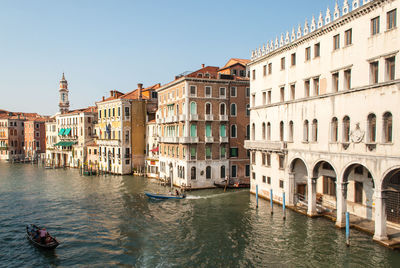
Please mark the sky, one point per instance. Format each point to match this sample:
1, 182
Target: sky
105, 45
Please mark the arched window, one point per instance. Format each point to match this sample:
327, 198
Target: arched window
193, 108
89, 131
387, 127
193, 173
222, 109
248, 109
315, 130
268, 131
291, 131
371, 134
233, 109
334, 130
305, 130
222, 173
248, 132
208, 172
281, 131
346, 129
253, 132
233, 131
263, 131
208, 108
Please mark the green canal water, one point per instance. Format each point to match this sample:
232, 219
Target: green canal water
107, 221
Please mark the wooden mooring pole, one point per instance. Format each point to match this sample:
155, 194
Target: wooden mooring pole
257, 195
347, 229
284, 206
271, 197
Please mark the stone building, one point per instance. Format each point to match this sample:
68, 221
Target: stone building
203, 120
324, 99
34, 138
152, 149
11, 137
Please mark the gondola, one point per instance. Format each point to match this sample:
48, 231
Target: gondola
31, 229
164, 196
232, 186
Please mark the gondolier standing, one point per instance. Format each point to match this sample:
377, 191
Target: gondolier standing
43, 234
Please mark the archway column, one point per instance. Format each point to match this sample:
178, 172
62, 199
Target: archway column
341, 204
292, 190
312, 196
380, 216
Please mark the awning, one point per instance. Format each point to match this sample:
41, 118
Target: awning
154, 150
65, 143
67, 131
61, 132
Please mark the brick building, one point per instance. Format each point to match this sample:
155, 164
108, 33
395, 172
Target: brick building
35, 138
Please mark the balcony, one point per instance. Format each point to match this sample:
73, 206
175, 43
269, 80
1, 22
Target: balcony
169, 139
182, 117
106, 142
194, 117
160, 120
170, 119
189, 139
3, 148
223, 139
208, 117
223, 117
265, 145
209, 139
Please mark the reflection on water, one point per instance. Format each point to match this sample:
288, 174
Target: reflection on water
108, 221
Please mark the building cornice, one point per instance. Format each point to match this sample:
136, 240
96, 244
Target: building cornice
203, 80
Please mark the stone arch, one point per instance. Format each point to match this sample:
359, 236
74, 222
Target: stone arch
298, 177
325, 188
388, 173
390, 188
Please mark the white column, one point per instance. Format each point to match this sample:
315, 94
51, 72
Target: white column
291, 190
380, 216
312, 196
341, 204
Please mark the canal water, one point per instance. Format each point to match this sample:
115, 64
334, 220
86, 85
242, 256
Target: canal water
107, 221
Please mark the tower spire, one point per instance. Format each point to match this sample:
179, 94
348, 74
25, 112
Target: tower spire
64, 103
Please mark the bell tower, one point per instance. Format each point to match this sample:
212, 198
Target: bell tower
64, 103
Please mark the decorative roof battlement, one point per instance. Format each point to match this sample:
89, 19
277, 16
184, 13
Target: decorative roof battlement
286, 39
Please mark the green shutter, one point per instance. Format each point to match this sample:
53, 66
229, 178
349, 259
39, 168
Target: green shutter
193, 108
208, 130
193, 131
223, 131
193, 151
223, 151
208, 151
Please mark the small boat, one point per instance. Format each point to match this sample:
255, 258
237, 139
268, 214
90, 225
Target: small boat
232, 186
164, 196
31, 230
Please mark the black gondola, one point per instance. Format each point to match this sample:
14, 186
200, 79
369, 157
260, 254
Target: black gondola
31, 230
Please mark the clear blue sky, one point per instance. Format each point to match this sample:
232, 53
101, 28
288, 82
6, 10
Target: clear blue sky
115, 44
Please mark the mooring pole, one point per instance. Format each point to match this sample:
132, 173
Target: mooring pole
257, 195
271, 197
347, 229
284, 206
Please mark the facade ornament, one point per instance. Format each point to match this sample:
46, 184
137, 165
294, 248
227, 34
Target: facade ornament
259, 51
271, 46
328, 16
356, 4
336, 14
263, 50
276, 43
299, 31
345, 9
267, 49
320, 20
313, 24
293, 37
357, 135
281, 41
366, 2
287, 39
306, 27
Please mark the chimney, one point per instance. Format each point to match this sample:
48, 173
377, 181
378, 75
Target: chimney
104, 98
203, 65
140, 87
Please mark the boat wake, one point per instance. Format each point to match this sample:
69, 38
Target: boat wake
195, 197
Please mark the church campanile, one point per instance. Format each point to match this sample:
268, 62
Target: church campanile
64, 103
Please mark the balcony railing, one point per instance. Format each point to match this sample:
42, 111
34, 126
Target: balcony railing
223, 139
107, 142
189, 139
209, 139
170, 119
223, 117
182, 117
194, 117
265, 145
208, 117
169, 139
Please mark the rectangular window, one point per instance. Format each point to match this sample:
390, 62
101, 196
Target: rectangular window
253, 176
375, 26
347, 79
233, 91
192, 90
293, 59
222, 131
308, 53
281, 161
268, 159
253, 99
269, 180
270, 68
374, 72
263, 157
247, 92
390, 68
282, 91
292, 92
264, 98
316, 86
119, 111
233, 152
234, 171
281, 184
265, 70
335, 82
317, 50
247, 174
264, 179
208, 130
208, 152
254, 74
193, 153
269, 96
222, 92
222, 152
336, 42
358, 195
208, 91
283, 63
348, 37
307, 88
126, 111
253, 157
391, 19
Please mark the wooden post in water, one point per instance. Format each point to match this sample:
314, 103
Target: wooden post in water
271, 197
347, 229
257, 195
284, 206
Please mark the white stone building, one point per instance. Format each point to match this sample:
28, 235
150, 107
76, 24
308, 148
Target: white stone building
324, 103
152, 150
